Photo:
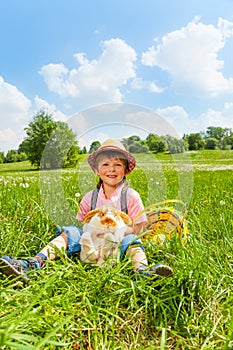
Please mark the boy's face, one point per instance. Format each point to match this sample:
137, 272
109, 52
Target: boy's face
110, 170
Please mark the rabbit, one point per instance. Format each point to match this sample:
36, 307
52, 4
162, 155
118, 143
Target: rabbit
103, 231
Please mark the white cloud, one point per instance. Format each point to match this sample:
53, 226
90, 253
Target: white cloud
14, 106
9, 139
50, 109
79, 123
140, 84
56, 77
184, 124
190, 55
150, 122
222, 118
14, 112
95, 81
226, 27
87, 139
177, 117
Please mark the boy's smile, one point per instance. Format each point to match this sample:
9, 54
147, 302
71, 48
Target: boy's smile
111, 171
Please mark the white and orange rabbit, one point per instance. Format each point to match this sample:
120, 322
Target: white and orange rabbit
103, 231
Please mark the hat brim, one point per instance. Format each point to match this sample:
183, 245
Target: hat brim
126, 155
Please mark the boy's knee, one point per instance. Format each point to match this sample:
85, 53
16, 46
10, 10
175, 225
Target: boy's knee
131, 241
64, 235
72, 234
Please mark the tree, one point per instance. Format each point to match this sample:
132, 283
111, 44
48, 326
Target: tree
219, 134
47, 142
72, 157
138, 147
129, 141
134, 144
175, 145
211, 143
38, 131
83, 150
216, 132
1, 157
156, 143
11, 156
228, 141
23, 147
61, 149
21, 156
94, 146
195, 142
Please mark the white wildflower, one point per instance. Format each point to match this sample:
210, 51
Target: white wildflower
24, 185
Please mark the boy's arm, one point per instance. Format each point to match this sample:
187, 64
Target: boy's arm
84, 207
137, 229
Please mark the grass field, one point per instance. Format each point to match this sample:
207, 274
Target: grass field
69, 305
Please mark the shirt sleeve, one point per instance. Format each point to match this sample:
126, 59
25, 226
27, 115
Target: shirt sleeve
135, 206
85, 206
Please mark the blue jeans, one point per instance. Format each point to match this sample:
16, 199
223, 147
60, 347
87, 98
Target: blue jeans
74, 234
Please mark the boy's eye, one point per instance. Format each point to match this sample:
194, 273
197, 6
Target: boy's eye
116, 164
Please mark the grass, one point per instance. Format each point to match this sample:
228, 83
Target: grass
69, 305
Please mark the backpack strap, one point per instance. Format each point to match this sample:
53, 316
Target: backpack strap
123, 199
94, 197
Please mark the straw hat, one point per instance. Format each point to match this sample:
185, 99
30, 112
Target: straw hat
112, 145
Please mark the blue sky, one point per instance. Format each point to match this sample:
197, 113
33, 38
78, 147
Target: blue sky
173, 58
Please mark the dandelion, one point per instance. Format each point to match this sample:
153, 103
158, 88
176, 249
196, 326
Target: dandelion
24, 185
77, 194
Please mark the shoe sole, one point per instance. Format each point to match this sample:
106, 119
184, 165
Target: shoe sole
9, 270
164, 271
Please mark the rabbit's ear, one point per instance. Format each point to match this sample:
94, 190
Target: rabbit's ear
125, 218
90, 215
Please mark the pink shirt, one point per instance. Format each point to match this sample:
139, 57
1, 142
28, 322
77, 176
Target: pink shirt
134, 203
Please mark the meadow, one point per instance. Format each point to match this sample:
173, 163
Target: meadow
70, 305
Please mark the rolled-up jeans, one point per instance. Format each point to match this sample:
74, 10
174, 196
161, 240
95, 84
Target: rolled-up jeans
74, 234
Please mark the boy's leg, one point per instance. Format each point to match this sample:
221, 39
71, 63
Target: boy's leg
60, 242
140, 264
139, 260
138, 257
19, 267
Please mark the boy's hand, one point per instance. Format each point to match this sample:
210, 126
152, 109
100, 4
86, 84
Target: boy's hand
137, 229
128, 231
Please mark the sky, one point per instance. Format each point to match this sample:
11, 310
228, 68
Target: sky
166, 61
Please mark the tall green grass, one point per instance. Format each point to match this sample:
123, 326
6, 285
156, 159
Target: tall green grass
69, 305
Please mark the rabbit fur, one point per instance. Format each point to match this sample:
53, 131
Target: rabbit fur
103, 231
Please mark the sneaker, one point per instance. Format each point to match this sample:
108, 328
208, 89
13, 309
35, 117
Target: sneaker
157, 270
13, 267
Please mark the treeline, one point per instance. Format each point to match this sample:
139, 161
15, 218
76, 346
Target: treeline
213, 138
51, 144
